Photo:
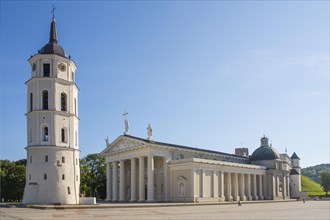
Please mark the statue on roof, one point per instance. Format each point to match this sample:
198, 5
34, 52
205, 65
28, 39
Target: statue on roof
126, 124
107, 141
149, 129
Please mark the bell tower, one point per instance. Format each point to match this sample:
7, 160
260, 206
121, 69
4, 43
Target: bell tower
52, 172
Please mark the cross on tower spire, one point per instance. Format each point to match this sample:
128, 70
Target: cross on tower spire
53, 11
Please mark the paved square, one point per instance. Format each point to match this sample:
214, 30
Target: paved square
281, 210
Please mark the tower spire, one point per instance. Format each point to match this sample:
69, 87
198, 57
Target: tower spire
53, 34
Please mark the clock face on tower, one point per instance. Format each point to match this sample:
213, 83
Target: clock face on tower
61, 67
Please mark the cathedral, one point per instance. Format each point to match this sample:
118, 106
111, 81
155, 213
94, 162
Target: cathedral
145, 170
138, 169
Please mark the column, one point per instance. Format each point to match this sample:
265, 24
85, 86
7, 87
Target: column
200, 184
221, 186
235, 187
141, 179
264, 185
122, 181
284, 187
273, 190
114, 181
203, 183
215, 184
288, 187
254, 187
241, 186
150, 178
133, 180
261, 197
276, 185
228, 187
248, 187
108, 182
165, 180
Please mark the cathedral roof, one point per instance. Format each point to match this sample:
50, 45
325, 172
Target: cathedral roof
265, 152
183, 147
52, 47
294, 156
294, 172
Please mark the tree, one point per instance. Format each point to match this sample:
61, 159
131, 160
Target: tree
12, 176
93, 176
325, 182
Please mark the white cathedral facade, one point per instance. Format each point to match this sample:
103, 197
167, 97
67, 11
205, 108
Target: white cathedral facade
143, 170
52, 172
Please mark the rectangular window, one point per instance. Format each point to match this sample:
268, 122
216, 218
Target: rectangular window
69, 191
45, 176
30, 159
46, 158
63, 159
29, 176
63, 177
46, 69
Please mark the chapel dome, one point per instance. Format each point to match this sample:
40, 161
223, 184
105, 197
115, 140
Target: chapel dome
265, 152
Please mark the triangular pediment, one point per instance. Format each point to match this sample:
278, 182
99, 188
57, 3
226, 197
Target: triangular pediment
122, 143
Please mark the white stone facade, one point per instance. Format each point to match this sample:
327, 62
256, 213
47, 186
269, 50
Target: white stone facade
147, 171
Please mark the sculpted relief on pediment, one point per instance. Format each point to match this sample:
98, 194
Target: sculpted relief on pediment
123, 145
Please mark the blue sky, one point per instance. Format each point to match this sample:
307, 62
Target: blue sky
206, 74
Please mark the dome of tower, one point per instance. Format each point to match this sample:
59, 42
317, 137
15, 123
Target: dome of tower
265, 152
52, 47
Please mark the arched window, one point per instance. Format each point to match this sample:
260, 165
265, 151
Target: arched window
63, 102
46, 69
45, 100
31, 101
63, 135
45, 134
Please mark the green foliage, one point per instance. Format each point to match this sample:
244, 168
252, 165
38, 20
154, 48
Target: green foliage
314, 172
12, 176
93, 176
310, 186
325, 182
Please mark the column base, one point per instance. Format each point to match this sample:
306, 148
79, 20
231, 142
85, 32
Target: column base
114, 200
243, 198
230, 199
261, 198
141, 200
255, 197
249, 198
236, 198
151, 200
132, 200
222, 199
